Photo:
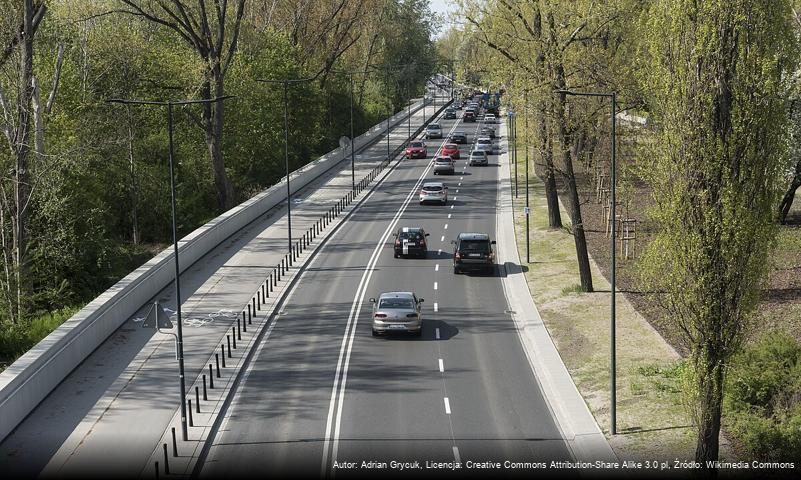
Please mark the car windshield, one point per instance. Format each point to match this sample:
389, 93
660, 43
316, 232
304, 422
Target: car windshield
484, 141
432, 188
416, 144
475, 246
410, 235
396, 303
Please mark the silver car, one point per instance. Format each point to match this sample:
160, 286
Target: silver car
434, 192
478, 157
484, 144
397, 312
444, 164
434, 130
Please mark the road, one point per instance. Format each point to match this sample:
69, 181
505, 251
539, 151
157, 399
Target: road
322, 392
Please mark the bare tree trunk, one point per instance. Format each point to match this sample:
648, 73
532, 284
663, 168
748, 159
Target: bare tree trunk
551, 194
134, 217
789, 195
213, 115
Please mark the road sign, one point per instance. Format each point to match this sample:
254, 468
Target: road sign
510, 113
526, 210
157, 318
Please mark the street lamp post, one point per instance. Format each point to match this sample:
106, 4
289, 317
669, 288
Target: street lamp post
528, 208
612, 355
285, 82
180, 337
513, 143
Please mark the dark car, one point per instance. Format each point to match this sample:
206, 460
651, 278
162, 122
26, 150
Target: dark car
450, 114
458, 137
473, 251
410, 241
487, 132
469, 116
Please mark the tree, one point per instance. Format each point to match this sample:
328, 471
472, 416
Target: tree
717, 74
213, 35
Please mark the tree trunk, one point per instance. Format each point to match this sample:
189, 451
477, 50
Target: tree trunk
710, 376
213, 127
789, 196
551, 194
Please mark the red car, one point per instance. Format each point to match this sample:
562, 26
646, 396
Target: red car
416, 150
451, 150
469, 116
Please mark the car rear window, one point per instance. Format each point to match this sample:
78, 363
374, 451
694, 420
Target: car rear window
478, 246
416, 144
432, 189
410, 236
396, 303
485, 141
451, 146
433, 126
477, 153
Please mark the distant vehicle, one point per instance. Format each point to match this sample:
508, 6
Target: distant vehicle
484, 144
433, 130
417, 150
434, 192
397, 312
458, 137
489, 118
450, 114
473, 251
478, 157
451, 150
469, 116
487, 131
443, 165
410, 241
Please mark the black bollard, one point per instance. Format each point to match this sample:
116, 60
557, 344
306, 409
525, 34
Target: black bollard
189, 409
233, 334
157, 470
244, 323
258, 301
217, 359
205, 392
253, 302
166, 460
197, 398
228, 337
222, 346
238, 331
174, 443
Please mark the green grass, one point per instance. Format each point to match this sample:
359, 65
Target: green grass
16, 339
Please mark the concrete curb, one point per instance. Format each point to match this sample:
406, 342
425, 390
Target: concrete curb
573, 417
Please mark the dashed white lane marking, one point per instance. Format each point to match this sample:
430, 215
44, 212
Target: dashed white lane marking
439, 251
447, 406
461, 178
449, 215
452, 206
460, 184
441, 366
436, 267
454, 198
435, 285
436, 333
442, 239
446, 226
456, 455
436, 307
457, 191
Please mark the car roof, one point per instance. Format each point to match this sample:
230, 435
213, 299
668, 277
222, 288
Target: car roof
451, 145
473, 236
411, 229
396, 295
443, 157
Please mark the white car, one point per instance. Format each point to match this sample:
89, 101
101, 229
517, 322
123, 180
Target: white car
434, 192
489, 118
484, 144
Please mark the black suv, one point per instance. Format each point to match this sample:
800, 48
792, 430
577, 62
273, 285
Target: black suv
473, 251
411, 241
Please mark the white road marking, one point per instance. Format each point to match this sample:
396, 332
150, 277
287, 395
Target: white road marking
447, 406
439, 251
454, 198
436, 333
461, 178
446, 226
452, 207
436, 307
457, 191
442, 239
460, 184
449, 215
436, 267
456, 455
441, 366
435, 285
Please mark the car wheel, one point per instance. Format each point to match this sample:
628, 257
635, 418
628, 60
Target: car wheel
419, 333
396, 254
375, 334
456, 270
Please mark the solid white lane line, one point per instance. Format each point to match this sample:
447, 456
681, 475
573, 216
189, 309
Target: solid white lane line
436, 333
442, 239
447, 406
446, 226
436, 307
436, 267
435, 285
456, 456
441, 366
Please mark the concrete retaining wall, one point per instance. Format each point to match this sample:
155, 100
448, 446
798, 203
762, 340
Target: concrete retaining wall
33, 376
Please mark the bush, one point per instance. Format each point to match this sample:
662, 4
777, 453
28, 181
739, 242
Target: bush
763, 402
16, 339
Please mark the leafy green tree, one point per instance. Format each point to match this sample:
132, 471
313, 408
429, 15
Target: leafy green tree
717, 79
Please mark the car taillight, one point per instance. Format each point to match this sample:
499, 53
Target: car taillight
397, 242
380, 315
458, 256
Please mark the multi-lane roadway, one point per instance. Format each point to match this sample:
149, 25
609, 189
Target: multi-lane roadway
322, 395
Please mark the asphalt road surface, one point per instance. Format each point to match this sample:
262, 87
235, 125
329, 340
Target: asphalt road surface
322, 395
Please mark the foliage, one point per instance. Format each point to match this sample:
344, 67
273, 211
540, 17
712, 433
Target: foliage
763, 402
